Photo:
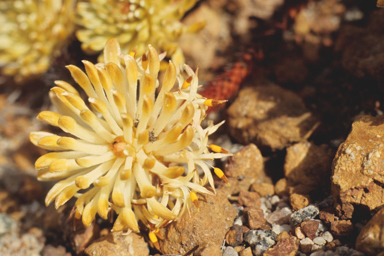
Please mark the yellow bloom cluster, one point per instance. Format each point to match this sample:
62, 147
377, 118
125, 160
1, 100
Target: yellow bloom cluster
137, 147
30, 33
135, 24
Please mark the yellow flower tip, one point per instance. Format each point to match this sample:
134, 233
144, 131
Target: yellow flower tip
125, 174
194, 199
118, 199
49, 117
66, 142
89, 214
147, 192
102, 181
103, 207
144, 61
174, 172
82, 182
132, 54
212, 102
149, 163
217, 149
58, 165
187, 83
152, 236
221, 174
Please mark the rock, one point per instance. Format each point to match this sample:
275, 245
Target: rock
306, 213
208, 226
248, 164
327, 236
299, 201
341, 228
307, 166
117, 243
299, 233
269, 116
83, 237
249, 199
306, 245
234, 237
282, 235
371, 239
264, 238
279, 217
357, 176
319, 240
281, 187
211, 250
310, 227
254, 217
246, 252
50, 250
275, 199
263, 189
213, 38
284, 247
230, 251
327, 216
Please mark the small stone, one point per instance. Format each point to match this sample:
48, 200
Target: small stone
246, 252
211, 250
310, 227
282, 235
254, 237
327, 236
287, 247
276, 228
280, 217
342, 227
316, 247
254, 217
249, 199
234, 237
83, 237
306, 245
327, 216
50, 250
306, 213
319, 240
281, 187
298, 233
238, 221
266, 202
263, 189
299, 201
245, 229
117, 243
275, 199
371, 239
230, 251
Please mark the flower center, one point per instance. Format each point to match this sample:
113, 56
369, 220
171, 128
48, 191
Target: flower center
118, 145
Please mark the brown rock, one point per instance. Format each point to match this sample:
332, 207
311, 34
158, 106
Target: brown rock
211, 250
309, 228
282, 235
299, 233
118, 243
306, 245
208, 226
249, 199
284, 247
246, 252
371, 237
83, 237
254, 217
307, 166
242, 169
299, 201
269, 116
263, 189
341, 227
281, 187
358, 173
327, 216
234, 237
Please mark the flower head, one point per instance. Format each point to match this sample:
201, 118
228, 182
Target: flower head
135, 24
135, 148
31, 32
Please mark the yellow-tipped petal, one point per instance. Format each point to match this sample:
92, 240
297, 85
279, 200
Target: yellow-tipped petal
160, 210
49, 117
174, 172
89, 214
169, 77
125, 174
102, 182
82, 182
66, 86
154, 61
149, 163
118, 198
81, 78
112, 51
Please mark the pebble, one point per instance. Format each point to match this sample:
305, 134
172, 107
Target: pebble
306, 213
230, 251
298, 233
344, 250
282, 205
275, 199
264, 244
280, 216
317, 247
266, 202
327, 236
254, 237
319, 240
318, 253
238, 221
306, 245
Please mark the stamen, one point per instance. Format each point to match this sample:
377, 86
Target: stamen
217, 149
221, 175
212, 102
187, 83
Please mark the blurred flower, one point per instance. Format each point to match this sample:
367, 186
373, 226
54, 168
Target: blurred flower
135, 24
132, 150
31, 32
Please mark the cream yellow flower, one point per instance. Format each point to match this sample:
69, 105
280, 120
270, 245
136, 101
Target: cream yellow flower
136, 148
31, 32
135, 24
